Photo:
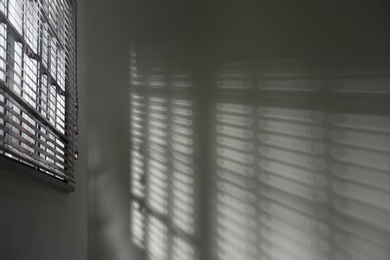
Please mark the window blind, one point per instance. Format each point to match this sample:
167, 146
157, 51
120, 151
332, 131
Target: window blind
297, 161
38, 97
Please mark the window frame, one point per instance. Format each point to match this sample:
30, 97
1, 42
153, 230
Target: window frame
53, 138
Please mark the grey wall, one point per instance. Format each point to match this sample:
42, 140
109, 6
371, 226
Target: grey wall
216, 30
42, 223
107, 62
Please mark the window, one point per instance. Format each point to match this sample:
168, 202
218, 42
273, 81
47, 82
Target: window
270, 160
38, 95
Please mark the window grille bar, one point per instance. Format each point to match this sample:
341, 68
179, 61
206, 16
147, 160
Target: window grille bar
38, 95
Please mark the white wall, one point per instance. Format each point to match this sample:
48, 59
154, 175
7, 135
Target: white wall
107, 62
230, 30
42, 223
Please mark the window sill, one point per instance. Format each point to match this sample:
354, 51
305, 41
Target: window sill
16, 168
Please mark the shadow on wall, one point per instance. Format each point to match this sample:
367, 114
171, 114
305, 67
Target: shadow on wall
267, 137
277, 160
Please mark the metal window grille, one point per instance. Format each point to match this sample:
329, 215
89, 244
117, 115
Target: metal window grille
38, 95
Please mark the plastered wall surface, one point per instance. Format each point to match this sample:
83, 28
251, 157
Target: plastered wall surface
201, 32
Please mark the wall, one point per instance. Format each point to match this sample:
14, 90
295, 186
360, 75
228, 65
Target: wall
205, 31
107, 62
39, 222
111, 28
